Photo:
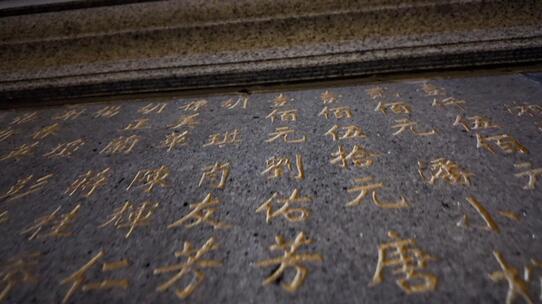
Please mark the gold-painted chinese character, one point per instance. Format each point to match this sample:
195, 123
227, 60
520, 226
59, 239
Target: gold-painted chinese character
228, 138
121, 144
403, 124
17, 271
174, 139
407, 259
284, 132
130, 216
445, 170
107, 112
474, 123
431, 89
292, 214
285, 115
20, 151
78, 279
195, 263
186, 120
349, 132
232, 103
202, 212
359, 156
150, 178
507, 143
375, 92
25, 186
57, 223
328, 97
194, 106
533, 174
153, 108
6, 133
525, 109
281, 101
290, 259
275, 166
490, 223
448, 102
338, 112
366, 187
399, 107
24, 118
138, 124
65, 149
70, 114
46, 131
218, 174
517, 286
88, 183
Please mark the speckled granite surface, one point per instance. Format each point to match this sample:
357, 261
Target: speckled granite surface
476, 210
165, 45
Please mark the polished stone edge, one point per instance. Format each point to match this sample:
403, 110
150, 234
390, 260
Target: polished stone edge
209, 71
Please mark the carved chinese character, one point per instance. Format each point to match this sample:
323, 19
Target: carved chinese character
70, 114
221, 140
107, 112
57, 223
448, 102
533, 174
517, 286
138, 124
6, 133
20, 152
130, 216
365, 188
17, 271
201, 213
445, 170
275, 166
474, 123
407, 260
404, 124
285, 115
121, 145
4, 217
218, 174
150, 178
328, 97
153, 108
281, 100
490, 223
65, 149
431, 89
195, 263
174, 139
291, 258
286, 210
348, 132
338, 112
78, 279
25, 186
525, 109
375, 92
24, 118
359, 157
186, 121
399, 107
194, 106
284, 132
46, 131
232, 103
88, 183
507, 143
